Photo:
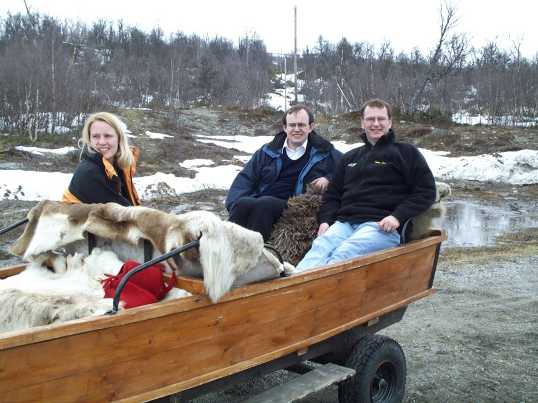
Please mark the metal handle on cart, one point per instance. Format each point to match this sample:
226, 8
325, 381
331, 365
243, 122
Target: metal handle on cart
275, 251
143, 266
13, 226
404, 235
278, 255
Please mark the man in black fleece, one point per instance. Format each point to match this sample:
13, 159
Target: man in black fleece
376, 188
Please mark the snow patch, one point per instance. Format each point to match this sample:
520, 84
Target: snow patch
42, 151
157, 136
220, 177
196, 163
248, 144
468, 119
513, 167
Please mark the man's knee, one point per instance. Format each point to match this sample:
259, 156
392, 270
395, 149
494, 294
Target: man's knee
370, 233
270, 204
367, 238
241, 210
244, 203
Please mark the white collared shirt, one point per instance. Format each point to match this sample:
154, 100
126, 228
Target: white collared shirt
294, 155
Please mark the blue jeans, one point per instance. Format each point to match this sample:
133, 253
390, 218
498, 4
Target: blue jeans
344, 241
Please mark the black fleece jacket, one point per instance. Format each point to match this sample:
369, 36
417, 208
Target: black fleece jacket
90, 183
372, 182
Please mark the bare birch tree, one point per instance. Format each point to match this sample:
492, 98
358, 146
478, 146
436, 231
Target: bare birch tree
447, 58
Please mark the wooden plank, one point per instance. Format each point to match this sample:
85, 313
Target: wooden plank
191, 284
13, 339
152, 345
304, 385
200, 327
9, 271
246, 364
398, 277
243, 365
160, 364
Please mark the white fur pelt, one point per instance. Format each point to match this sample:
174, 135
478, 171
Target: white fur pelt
51, 225
23, 310
226, 250
37, 296
228, 254
423, 223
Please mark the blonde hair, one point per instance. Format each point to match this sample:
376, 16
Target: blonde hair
124, 156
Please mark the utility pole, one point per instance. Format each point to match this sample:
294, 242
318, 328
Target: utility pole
171, 95
53, 80
295, 50
285, 83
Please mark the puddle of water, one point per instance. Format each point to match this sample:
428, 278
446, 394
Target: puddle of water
471, 223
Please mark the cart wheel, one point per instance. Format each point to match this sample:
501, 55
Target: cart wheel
380, 368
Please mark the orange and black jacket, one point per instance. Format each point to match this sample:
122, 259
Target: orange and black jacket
96, 180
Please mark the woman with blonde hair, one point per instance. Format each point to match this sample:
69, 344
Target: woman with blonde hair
107, 164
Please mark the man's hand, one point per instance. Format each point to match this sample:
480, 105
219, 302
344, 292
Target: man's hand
322, 228
320, 184
389, 223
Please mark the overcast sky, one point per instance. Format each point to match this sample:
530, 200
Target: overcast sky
405, 23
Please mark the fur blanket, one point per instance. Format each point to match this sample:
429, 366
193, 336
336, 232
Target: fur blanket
423, 223
296, 229
228, 254
37, 297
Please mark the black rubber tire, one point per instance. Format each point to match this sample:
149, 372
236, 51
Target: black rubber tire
380, 368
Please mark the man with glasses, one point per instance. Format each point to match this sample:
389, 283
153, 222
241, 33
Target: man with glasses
297, 156
376, 188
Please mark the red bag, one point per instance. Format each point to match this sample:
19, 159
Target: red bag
145, 287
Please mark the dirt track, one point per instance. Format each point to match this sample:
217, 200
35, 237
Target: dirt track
477, 338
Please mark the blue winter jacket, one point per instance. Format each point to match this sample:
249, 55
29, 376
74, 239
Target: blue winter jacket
265, 165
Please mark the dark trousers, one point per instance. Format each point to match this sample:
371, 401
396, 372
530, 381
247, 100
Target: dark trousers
258, 213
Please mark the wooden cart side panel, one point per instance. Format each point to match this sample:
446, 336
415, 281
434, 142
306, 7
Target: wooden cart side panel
190, 284
399, 277
163, 309
181, 350
140, 340
11, 270
239, 346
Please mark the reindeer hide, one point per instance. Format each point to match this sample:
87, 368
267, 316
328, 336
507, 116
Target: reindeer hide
226, 252
38, 297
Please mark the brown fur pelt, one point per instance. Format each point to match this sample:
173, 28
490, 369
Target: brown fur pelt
227, 252
294, 232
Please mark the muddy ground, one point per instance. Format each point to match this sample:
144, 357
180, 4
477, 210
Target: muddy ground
475, 340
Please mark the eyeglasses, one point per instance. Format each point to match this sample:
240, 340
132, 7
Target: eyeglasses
301, 126
372, 119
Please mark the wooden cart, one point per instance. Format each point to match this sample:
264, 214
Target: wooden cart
193, 346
